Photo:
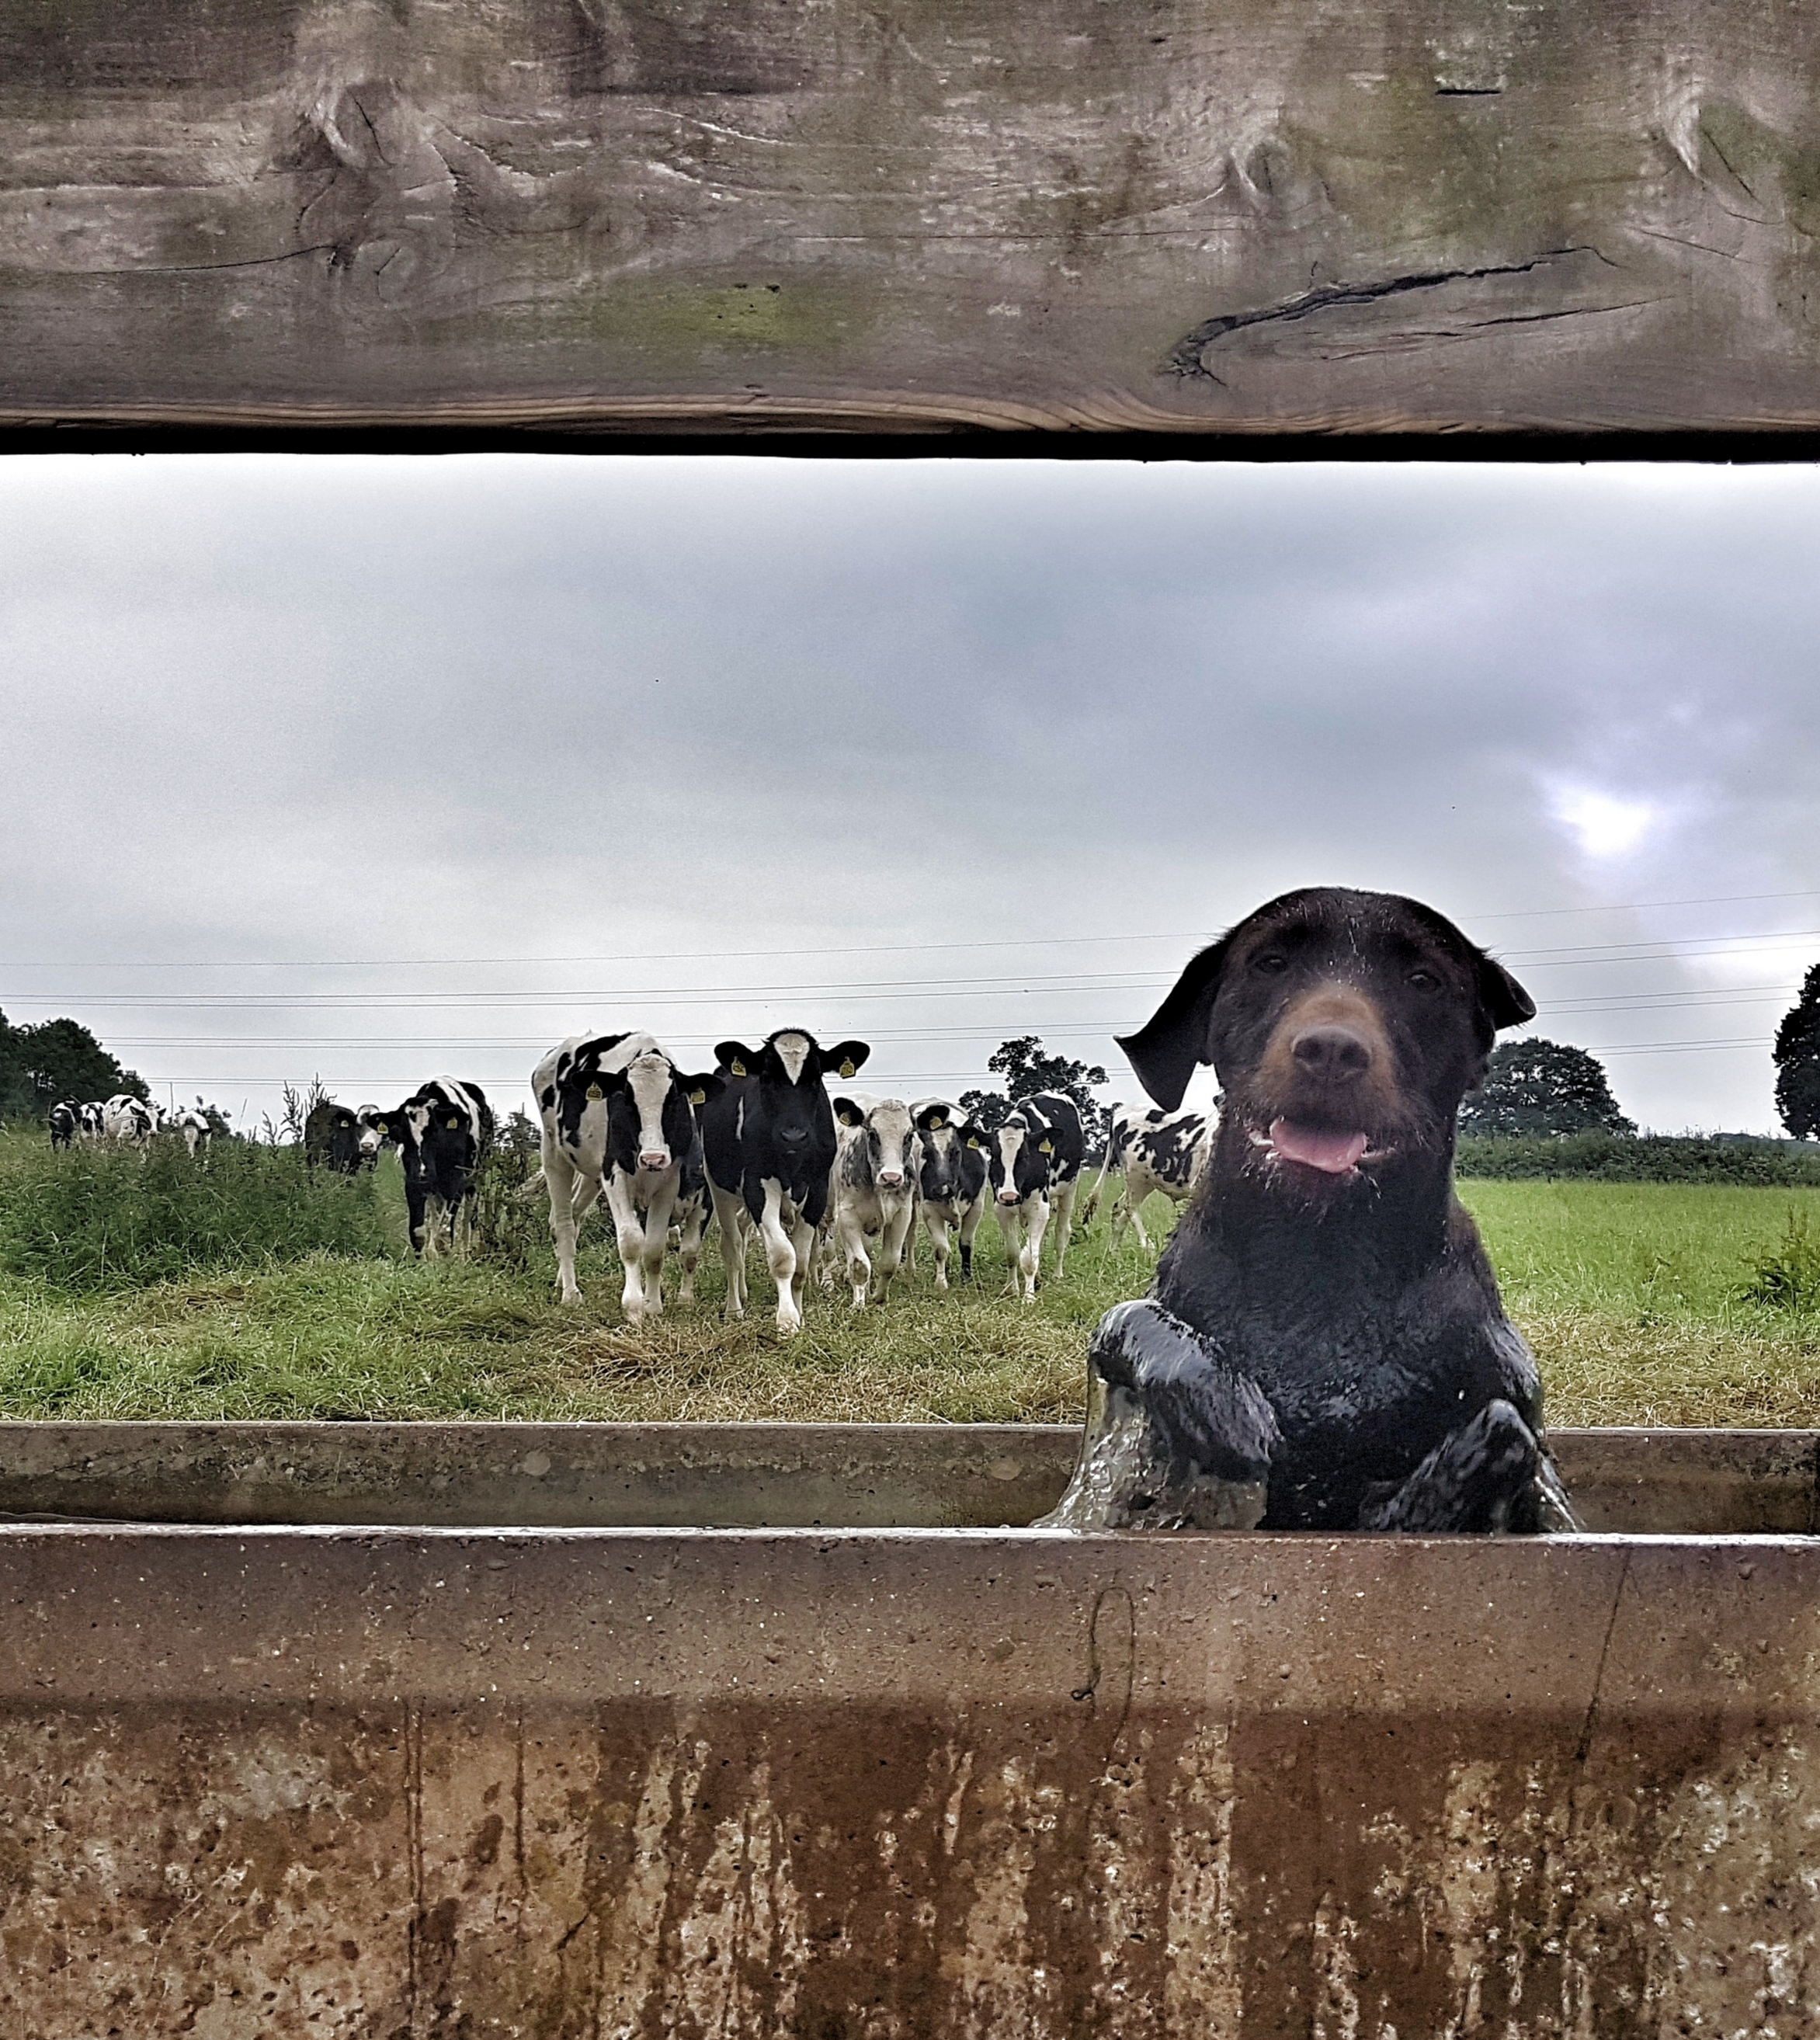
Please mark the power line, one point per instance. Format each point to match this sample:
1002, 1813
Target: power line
862, 948
1564, 958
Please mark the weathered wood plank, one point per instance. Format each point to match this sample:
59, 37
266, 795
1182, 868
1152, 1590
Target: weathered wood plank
1148, 215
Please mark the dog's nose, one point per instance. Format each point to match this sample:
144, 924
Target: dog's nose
1335, 1052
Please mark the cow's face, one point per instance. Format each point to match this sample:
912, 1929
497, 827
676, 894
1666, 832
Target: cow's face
890, 1138
651, 1112
788, 1070
1019, 1158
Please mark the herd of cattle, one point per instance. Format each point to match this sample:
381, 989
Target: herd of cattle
133, 1122
772, 1141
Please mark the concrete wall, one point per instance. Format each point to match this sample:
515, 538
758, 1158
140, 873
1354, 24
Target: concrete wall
459, 1784
857, 1475
1233, 215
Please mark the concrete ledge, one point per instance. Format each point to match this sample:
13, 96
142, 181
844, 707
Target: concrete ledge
756, 1476
340, 1782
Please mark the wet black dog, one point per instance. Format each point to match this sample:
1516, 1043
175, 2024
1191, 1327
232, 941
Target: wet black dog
1324, 1348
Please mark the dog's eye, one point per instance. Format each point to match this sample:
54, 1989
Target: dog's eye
1424, 981
1270, 962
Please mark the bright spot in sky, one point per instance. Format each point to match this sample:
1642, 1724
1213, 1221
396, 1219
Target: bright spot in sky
1602, 824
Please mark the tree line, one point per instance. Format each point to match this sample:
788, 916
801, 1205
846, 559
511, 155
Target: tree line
53, 1059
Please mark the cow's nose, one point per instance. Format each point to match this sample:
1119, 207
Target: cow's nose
1332, 1051
655, 1158
891, 1177
1008, 1195
793, 1136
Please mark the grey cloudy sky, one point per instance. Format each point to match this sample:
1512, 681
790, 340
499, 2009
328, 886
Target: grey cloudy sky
378, 768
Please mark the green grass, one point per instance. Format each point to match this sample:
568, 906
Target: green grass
1632, 1296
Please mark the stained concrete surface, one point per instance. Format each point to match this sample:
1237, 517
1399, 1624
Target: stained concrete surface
454, 1784
425, 1783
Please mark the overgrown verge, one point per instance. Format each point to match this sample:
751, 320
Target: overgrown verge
106, 1219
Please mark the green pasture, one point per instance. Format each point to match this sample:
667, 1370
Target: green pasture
245, 1288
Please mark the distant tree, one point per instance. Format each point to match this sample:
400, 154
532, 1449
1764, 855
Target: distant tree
1026, 1070
1797, 1058
57, 1059
1542, 1087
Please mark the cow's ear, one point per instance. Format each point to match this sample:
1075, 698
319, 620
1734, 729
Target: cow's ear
1165, 1050
703, 1088
1504, 1000
932, 1118
847, 1112
734, 1056
847, 1056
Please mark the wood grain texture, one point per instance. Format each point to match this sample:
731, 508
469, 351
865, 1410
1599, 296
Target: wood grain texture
1144, 216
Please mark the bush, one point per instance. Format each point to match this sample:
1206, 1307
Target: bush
97, 1218
1787, 1279
1608, 1157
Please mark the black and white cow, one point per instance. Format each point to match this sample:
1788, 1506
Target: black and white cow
92, 1122
443, 1129
332, 1139
1033, 1159
373, 1141
873, 1190
129, 1120
192, 1125
770, 1143
618, 1118
1154, 1151
66, 1121
951, 1181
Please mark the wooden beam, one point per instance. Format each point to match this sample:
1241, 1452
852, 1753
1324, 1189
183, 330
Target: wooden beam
1237, 217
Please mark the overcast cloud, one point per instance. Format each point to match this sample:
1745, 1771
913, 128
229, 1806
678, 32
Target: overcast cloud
293, 745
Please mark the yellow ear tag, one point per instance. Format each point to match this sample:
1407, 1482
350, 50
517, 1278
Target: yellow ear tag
973, 1144
451, 1124
847, 1068
698, 1097
939, 1121
739, 1069
1045, 1147
594, 1090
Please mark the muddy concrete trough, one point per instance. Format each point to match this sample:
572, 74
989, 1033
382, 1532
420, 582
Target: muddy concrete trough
463, 1731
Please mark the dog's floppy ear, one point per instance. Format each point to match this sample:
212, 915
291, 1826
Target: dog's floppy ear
1166, 1049
1505, 999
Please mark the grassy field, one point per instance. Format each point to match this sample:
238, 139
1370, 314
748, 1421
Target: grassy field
304, 1304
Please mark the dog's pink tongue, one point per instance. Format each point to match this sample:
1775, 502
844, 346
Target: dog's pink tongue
1314, 1148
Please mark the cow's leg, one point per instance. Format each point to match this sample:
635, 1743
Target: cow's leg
803, 1239
414, 1212
1035, 1213
896, 1230
689, 1249
1490, 1475
970, 1220
629, 1241
571, 1197
1064, 1219
656, 1244
1010, 1231
937, 1222
435, 1216
850, 1235
780, 1254
729, 1214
